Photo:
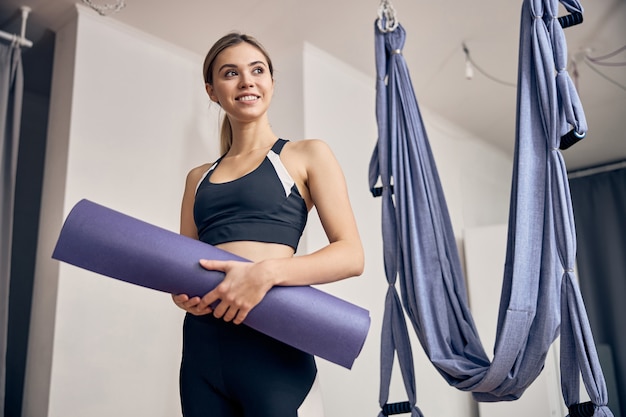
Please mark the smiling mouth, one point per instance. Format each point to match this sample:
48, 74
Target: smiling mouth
247, 98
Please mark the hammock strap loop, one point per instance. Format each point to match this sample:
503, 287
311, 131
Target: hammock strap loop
397, 408
585, 409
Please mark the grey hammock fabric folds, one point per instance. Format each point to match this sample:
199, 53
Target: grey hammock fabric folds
11, 91
540, 294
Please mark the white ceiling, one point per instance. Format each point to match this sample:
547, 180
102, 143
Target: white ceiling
436, 31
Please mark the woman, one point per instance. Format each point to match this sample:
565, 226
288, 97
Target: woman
254, 202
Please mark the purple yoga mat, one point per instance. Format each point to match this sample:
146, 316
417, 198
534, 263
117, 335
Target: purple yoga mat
113, 244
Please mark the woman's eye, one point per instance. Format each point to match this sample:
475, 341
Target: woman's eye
230, 73
258, 70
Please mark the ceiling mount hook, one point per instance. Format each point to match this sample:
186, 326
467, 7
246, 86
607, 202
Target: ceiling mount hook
25, 12
387, 21
21, 38
104, 9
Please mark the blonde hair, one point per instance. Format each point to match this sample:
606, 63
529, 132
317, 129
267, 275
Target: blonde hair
226, 41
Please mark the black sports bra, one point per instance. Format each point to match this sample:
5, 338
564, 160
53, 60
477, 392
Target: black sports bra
263, 205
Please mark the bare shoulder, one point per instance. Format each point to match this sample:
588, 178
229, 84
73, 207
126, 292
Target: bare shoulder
310, 149
196, 173
308, 145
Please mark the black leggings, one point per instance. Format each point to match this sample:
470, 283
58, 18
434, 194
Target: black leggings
230, 370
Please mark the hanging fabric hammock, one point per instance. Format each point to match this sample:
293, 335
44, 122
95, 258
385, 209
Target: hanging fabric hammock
540, 294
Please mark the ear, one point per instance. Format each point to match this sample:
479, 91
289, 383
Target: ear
211, 92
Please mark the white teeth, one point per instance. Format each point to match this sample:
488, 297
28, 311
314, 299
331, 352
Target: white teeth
247, 98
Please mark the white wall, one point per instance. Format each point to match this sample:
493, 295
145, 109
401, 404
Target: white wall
339, 108
129, 118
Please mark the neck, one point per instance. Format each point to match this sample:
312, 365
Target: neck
248, 137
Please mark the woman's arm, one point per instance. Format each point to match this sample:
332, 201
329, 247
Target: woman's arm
343, 256
187, 224
188, 228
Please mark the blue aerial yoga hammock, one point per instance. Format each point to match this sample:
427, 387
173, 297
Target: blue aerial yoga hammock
540, 296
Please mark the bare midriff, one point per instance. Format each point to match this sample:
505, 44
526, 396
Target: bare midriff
257, 251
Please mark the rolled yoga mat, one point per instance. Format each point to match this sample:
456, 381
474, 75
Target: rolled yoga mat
115, 245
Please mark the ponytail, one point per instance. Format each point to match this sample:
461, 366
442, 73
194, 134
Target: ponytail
226, 136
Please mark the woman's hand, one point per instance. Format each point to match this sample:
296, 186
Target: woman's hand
190, 305
243, 287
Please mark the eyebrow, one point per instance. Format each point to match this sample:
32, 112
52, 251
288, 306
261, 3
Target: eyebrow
252, 64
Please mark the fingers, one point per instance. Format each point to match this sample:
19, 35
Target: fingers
231, 313
235, 297
228, 311
230, 308
213, 265
180, 300
192, 305
240, 317
227, 307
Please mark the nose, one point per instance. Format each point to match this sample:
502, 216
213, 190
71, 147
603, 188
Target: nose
245, 81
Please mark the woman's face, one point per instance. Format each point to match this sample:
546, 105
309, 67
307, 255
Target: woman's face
242, 83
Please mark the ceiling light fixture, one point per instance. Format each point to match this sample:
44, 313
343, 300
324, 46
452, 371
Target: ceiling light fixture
469, 71
105, 9
470, 65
